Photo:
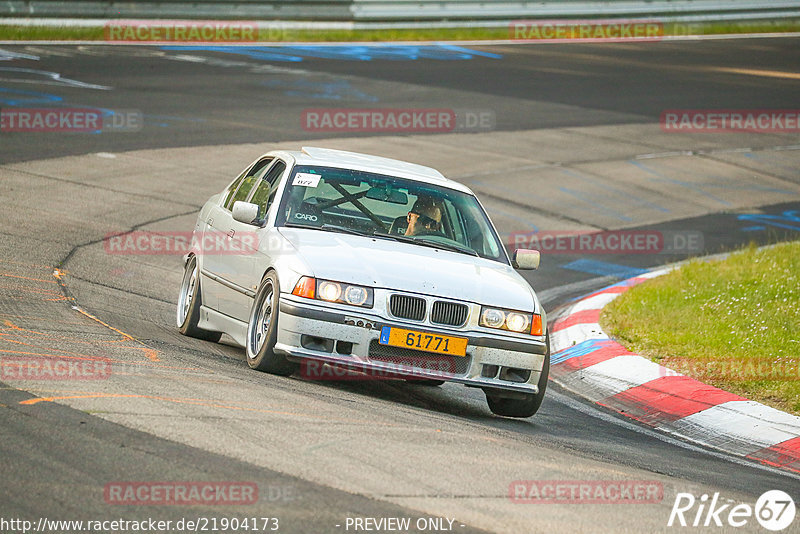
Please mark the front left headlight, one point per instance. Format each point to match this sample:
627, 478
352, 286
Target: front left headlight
513, 321
331, 291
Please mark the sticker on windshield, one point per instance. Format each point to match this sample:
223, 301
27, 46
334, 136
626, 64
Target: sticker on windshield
306, 180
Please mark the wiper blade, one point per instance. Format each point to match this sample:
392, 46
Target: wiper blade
404, 239
297, 225
327, 228
343, 230
448, 246
431, 244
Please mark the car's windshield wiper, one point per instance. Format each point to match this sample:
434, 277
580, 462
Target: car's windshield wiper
431, 244
448, 246
343, 229
297, 225
329, 228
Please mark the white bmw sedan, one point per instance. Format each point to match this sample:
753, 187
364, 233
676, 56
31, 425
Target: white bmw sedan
323, 259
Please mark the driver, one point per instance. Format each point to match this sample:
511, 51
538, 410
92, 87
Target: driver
425, 216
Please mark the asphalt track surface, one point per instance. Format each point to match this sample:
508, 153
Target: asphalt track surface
182, 410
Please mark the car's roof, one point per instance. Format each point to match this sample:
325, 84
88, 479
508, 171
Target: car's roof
364, 162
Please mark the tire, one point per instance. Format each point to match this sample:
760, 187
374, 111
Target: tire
262, 331
530, 404
189, 302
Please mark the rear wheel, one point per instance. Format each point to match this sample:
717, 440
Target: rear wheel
530, 403
189, 302
262, 331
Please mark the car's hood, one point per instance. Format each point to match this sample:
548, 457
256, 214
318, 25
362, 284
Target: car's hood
388, 264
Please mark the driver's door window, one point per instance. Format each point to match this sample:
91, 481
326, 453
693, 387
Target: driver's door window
264, 193
242, 187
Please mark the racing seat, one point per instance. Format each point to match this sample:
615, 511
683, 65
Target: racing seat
399, 226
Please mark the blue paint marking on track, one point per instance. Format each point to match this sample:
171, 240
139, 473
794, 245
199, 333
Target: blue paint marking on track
581, 349
335, 90
603, 268
789, 220
753, 228
604, 185
593, 204
347, 52
751, 155
27, 97
752, 187
664, 178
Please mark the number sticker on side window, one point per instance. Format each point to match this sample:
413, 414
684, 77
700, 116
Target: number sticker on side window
306, 180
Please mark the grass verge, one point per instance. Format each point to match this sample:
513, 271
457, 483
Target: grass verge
63, 33
41, 33
734, 323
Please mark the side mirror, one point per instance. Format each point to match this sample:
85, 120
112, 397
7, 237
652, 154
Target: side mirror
525, 259
244, 212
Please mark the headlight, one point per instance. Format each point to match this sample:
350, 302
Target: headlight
512, 321
493, 318
356, 295
517, 322
331, 291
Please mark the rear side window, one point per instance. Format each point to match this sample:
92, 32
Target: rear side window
242, 186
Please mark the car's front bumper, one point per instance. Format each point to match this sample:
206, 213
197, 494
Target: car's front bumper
312, 332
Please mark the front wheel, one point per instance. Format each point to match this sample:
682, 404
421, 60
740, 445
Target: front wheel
262, 331
527, 406
189, 304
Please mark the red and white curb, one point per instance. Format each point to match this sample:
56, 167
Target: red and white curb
585, 360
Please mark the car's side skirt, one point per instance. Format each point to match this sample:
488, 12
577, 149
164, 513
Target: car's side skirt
219, 322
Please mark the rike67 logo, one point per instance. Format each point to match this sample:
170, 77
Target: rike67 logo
774, 510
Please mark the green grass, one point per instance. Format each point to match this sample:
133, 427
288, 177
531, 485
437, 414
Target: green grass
46, 33
733, 323
43, 33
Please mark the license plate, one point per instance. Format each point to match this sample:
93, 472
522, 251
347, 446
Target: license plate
423, 341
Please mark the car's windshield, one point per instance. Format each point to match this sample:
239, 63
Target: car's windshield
348, 201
